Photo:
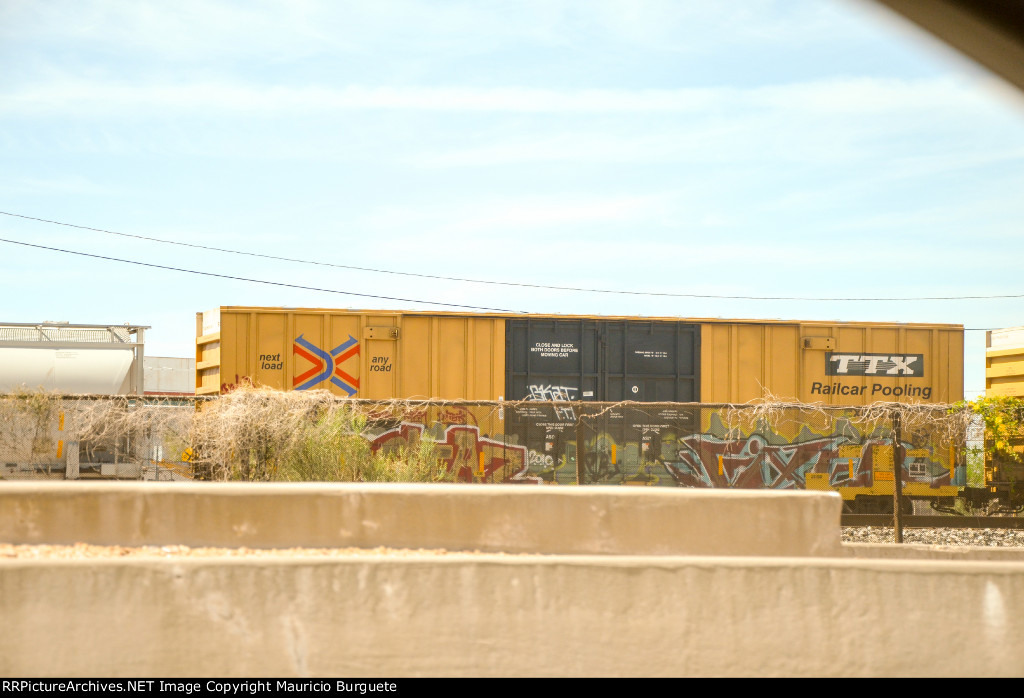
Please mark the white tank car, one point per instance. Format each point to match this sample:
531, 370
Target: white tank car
72, 359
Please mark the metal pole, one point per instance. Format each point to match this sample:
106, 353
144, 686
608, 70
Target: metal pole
897, 475
140, 362
580, 473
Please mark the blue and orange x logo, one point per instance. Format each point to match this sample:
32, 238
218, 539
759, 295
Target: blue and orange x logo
326, 366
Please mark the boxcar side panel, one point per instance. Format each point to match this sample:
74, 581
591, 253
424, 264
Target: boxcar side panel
378, 355
749, 377
416, 353
461, 356
782, 368
454, 358
833, 364
1004, 372
356, 354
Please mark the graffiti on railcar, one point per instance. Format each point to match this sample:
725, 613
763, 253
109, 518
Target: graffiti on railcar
555, 393
700, 453
461, 448
765, 458
707, 454
455, 415
704, 460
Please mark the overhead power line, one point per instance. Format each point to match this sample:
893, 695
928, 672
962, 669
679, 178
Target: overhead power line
517, 284
297, 286
255, 281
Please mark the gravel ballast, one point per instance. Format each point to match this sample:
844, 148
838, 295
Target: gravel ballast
81, 551
980, 537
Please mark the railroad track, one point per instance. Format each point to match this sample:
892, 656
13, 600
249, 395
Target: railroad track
931, 521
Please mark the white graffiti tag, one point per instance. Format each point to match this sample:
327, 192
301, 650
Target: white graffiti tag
555, 393
540, 460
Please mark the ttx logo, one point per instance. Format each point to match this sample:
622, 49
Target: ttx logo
326, 366
874, 364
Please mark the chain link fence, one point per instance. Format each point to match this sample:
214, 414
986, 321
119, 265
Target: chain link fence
262, 435
47, 436
739, 446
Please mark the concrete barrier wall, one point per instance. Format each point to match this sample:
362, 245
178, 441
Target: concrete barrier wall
497, 518
644, 583
491, 615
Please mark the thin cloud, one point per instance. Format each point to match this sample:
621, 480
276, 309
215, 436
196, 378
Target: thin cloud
859, 95
198, 31
66, 184
109, 98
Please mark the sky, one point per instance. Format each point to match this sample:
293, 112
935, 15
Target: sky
809, 149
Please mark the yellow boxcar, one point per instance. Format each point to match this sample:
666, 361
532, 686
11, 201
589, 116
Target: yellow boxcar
1004, 362
835, 363
365, 354
403, 354
378, 354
